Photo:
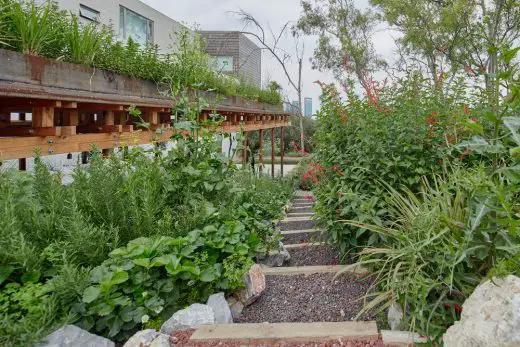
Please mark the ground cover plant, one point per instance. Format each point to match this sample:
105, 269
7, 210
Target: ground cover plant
46, 31
132, 239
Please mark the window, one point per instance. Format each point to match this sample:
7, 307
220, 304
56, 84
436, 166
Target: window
89, 13
133, 25
222, 63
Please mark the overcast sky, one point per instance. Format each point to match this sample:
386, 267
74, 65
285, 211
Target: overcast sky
215, 15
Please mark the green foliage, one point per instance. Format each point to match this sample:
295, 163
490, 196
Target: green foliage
167, 222
442, 244
83, 42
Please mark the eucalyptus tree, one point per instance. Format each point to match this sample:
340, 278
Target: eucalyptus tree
345, 33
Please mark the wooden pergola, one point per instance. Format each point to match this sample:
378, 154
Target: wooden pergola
74, 107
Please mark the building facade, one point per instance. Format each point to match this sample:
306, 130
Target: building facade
128, 18
307, 107
234, 54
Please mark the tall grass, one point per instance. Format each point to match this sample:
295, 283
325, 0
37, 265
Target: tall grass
441, 244
83, 42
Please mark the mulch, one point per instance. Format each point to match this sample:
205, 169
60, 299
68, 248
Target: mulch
309, 298
309, 255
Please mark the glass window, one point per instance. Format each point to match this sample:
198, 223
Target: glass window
133, 25
89, 13
222, 63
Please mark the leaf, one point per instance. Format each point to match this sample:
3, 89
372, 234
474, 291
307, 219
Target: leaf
144, 262
513, 124
5, 271
31, 277
90, 294
208, 275
119, 277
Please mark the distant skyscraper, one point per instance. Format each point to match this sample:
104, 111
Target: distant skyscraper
307, 105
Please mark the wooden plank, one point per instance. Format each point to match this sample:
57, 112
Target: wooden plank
70, 117
288, 333
42, 117
95, 128
306, 270
22, 131
272, 152
85, 106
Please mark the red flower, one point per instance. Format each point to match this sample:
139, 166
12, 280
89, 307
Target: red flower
458, 308
447, 306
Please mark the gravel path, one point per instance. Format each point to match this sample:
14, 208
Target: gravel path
294, 239
309, 298
298, 225
301, 210
314, 255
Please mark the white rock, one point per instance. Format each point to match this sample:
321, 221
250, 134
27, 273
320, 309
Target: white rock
220, 308
189, 318
142, 338
162, 340
72, 336
490, 316
395, 315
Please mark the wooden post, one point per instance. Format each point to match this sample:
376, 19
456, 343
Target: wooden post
282, 149
22, 162
42, 117
272, 152
71, 118
108, 119
244, 150
261, 150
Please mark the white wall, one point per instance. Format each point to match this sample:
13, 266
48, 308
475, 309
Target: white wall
109, 10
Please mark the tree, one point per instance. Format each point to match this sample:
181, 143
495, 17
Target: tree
281, 56
345, 38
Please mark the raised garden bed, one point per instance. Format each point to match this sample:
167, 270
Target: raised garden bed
309, 298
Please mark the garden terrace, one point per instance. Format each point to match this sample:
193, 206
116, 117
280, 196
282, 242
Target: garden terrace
74, 107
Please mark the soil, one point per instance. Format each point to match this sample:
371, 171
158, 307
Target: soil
314, 255
298, 225
309, 298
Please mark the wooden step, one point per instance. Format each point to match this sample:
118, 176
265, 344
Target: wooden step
314, 269
296, 219
304, 245
300, 214
285, 332
303, 231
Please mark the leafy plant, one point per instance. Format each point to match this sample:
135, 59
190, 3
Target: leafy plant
83, 41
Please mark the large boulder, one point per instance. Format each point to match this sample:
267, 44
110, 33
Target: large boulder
236, 307
254, 280
189, 318
72, 336
220, 308
490, 316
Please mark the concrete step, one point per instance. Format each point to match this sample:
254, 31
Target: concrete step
284, 332
291, 232
401, 338
314, 269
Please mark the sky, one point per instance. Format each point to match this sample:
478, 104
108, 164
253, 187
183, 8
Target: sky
217, 15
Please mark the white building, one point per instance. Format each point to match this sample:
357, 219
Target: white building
128, 18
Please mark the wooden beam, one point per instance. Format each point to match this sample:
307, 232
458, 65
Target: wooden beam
272, 152
70, 117
84, 106
42, 117
23, 131
282, 149
261, 150
96, 128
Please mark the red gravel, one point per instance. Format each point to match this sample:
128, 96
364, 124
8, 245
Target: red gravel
309, 298
181, 339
